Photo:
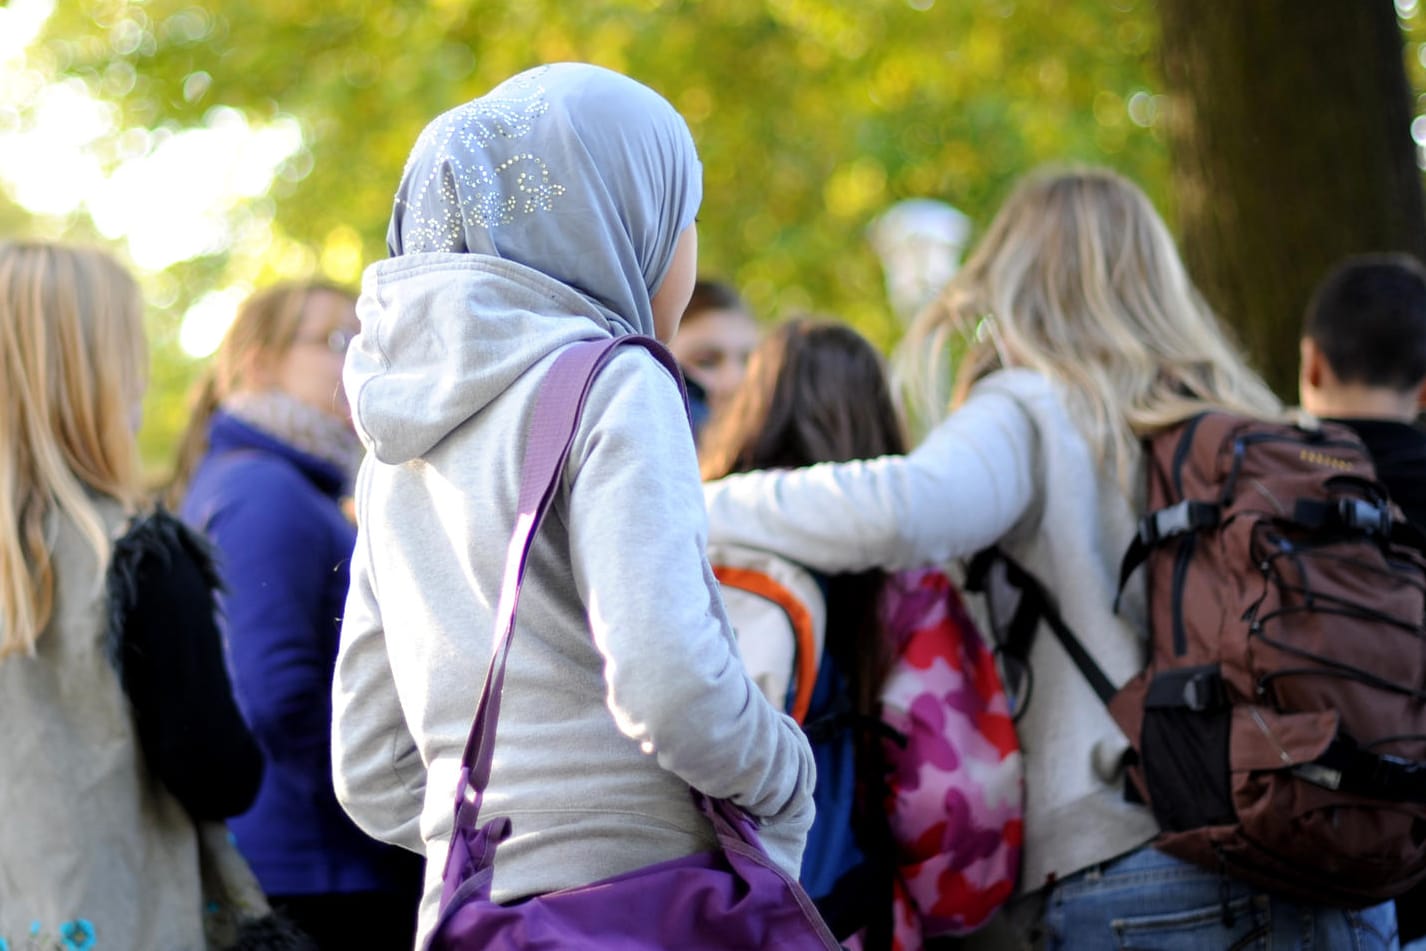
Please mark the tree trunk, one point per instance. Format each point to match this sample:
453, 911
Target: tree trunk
1289, 133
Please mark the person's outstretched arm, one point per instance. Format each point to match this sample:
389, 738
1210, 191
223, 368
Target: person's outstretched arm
637, 537
376, 768
961, 490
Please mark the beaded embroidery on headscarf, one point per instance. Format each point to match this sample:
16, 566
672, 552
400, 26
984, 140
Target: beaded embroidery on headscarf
578, 172
508, 112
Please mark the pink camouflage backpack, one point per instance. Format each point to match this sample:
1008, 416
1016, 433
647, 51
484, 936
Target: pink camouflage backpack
955, 785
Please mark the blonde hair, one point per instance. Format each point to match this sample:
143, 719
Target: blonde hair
265, 328
73, 367
1078, 279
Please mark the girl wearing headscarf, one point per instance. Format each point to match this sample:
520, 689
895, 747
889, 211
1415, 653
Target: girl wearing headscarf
555, 209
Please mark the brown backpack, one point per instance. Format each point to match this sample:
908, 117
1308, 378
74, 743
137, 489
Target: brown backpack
1280, 723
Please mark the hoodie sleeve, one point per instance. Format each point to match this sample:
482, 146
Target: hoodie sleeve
376, 767
637, 535
965, 487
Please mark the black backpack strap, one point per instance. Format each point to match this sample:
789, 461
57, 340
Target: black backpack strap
1347, 515
1014, 638
1348, 767
1035, 605
1017, 637
1358, 516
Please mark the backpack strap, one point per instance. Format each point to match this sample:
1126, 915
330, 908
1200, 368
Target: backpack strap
559, 405
806, 647
1352, 515
1190, 515
1035, 605
1372, 516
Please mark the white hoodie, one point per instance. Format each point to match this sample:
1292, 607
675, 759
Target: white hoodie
624, 687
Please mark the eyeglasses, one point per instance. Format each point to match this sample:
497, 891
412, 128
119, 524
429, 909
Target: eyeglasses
337, 341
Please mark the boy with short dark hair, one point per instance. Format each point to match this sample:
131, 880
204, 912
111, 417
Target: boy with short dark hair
1364, 364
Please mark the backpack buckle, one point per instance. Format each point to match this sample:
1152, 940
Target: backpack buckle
1363, 516
1319, 775
1178, 519
1203, 691
1199, 689
1347, 767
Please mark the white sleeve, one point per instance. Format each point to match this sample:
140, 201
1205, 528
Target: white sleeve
377, 770
637, 536
961, 490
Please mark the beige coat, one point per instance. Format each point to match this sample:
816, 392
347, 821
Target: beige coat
92, 849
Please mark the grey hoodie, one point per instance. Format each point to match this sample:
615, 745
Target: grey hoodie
624, 687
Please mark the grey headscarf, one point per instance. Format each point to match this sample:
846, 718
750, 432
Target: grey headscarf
570, 169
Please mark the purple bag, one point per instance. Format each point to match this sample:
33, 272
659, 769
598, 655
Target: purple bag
735, 897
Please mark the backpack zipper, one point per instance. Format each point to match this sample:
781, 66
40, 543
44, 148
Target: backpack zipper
1185, 549
1262, 725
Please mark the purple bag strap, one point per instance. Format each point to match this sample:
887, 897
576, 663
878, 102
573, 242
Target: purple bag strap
558, 407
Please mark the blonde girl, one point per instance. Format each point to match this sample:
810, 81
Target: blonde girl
120, 732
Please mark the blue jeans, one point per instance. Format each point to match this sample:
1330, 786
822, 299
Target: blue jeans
1150, 901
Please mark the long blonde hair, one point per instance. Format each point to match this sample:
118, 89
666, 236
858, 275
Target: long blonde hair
1079, 279
265, 327
73, 367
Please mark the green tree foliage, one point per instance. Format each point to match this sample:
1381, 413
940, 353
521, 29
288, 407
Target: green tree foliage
811, 117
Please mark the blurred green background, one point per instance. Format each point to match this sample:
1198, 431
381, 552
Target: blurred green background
220, 146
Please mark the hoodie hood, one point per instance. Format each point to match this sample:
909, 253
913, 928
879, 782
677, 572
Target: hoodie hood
443, 335
544, 212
